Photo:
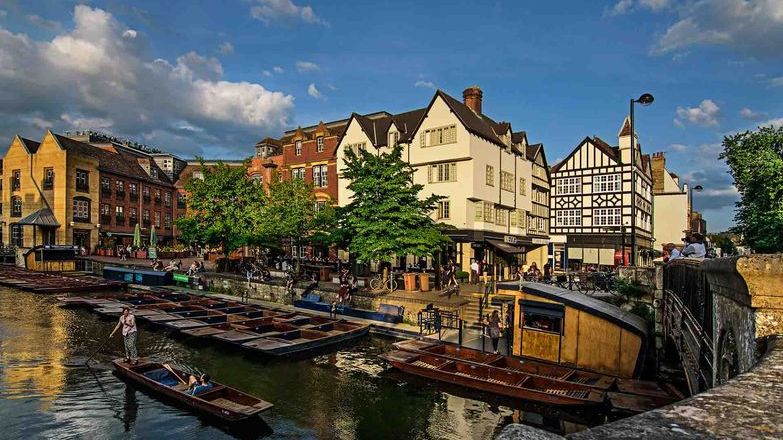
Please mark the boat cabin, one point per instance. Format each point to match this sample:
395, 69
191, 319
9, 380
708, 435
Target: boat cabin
570, 328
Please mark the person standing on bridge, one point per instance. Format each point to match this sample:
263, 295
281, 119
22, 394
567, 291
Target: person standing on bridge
129, 332
494, 327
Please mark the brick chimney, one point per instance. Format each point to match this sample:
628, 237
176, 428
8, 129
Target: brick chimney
658, 170
472, 98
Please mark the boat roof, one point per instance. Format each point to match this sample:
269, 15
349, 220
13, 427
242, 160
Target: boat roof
580, 301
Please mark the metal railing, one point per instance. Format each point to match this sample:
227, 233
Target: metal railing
432, 321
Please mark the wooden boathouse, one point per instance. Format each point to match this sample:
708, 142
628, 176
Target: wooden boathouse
573, 329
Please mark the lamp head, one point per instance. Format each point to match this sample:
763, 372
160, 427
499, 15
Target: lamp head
698, 188
645, 99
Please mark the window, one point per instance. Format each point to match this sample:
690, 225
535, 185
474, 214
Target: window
522, 186
298, 173
568, 217
119, 214
298, 148
157, 219
394, 137
489, 212
568, 185
181, 200
16, 180
198, 175
133, 216
120, 188
490, 175
539, 171
443, 209
357, 147
500, 217
439, 136
542, 317
443, 172
82, 180
607, 216
513, 217
506, 181
319, 144
157, 197
319, 205
134, 190
167, 199
478, 208
48, 181
105, 213
16, 206
81, 210
146, 217
17, 235
607, 183
105, 185
167, 220
154, 172
319, 176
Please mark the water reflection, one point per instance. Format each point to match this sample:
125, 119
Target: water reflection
343, 394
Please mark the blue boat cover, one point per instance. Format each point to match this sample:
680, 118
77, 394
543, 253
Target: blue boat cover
162, 376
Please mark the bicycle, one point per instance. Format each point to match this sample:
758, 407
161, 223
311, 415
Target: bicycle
379, 283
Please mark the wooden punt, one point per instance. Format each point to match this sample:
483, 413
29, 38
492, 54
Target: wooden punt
194, 320
522, 365
246, 333
494, 380
303, 339
233, 323
221, 401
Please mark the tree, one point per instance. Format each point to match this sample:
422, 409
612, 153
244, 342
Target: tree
223, 207
755, 160
723, 240
386, 217
290, 213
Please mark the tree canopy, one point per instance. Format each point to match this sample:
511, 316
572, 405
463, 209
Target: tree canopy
223, 207
386, 216
755, 160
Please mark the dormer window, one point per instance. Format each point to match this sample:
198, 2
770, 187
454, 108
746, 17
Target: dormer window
154, 173
319, 143
298, 148
394, 137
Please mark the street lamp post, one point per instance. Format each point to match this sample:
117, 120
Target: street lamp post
697, 188
646, 99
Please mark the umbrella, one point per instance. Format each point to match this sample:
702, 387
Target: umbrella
153, 237
137, 237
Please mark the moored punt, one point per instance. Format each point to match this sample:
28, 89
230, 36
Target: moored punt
240, 335
523, 365
500, 381
220, 401
302, 339
45, 282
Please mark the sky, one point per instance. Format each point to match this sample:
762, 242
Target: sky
211, 78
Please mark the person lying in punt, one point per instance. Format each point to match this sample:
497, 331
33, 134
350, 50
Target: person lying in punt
196, 385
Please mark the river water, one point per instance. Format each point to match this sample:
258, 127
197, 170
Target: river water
343, 394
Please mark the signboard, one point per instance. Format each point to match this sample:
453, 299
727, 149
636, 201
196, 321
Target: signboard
510, 239
540, 241
475, 245
181, 277
152, 253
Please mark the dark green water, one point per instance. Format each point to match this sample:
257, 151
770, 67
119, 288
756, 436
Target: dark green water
344, 394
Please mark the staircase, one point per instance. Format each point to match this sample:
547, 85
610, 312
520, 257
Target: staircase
471, 316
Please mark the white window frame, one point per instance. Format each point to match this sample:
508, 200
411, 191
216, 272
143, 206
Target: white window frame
607, 216
356, 147
606, 183
506, 181
444, 210
435, 136
298, 173
490, 175
319, 144
568, 217
489, 212
568, 186
320, 174
501, 217
443, 172
298, 148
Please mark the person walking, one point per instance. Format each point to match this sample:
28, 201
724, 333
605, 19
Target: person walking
493, 327
129, 332
474, 272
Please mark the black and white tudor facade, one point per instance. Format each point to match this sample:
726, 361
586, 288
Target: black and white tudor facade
591, 221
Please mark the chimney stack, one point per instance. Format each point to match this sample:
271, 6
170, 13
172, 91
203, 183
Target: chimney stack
472, 98
658, 170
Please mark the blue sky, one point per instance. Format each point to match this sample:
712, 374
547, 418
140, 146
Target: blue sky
211, 78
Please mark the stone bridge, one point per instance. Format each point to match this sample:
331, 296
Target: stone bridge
724, 318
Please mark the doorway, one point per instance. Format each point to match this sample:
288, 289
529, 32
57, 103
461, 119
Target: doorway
81, 237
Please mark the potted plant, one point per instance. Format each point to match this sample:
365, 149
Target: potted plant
140, 254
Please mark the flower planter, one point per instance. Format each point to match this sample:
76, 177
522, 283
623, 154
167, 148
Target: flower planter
140, 255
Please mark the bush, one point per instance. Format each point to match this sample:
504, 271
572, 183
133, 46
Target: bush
462, 275
629, 289
644, 311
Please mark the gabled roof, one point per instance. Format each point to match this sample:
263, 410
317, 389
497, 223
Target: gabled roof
478, 125
29, 145
122, 162
518, 137
611, 152
407, 122
625, 130
41, 217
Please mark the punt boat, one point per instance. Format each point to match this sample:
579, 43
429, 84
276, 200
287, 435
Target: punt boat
495, 380
221, 401
523, 365
302, 339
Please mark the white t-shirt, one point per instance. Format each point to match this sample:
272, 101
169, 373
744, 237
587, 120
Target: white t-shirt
128, 324
694, 250
474, 266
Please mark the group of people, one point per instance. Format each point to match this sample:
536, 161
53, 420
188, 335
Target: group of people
694, 246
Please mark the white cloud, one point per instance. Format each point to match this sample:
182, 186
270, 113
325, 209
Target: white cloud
313, 91
266, 73
94, 75
307, 66
706, 114
754, 28
776, 82
627, 6
751, 115
776, 123
619, 8
278, 69
426, 84
226, 48
44, 23
677, 148
130, 33
80, 122
271, 11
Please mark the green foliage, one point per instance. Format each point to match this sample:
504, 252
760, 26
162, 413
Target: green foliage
755, 160
290, 213
644, 311
724, 241
628, 289
462, 275
386, 217
223, 207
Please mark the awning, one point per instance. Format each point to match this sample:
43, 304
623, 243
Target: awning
505, 247
41, 217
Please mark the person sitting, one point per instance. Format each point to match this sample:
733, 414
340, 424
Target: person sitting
199, 385
547, 272
533, 272
157, 265
695, 246
193, 268
172, 266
